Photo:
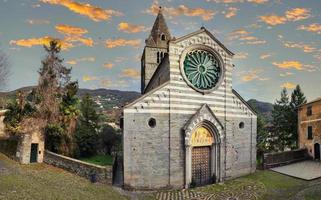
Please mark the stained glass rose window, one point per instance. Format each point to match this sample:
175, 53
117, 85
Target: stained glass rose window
202, 69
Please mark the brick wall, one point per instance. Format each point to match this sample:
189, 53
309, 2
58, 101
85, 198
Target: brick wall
102, 174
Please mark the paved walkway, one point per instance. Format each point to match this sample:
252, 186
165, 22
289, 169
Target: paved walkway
307, 170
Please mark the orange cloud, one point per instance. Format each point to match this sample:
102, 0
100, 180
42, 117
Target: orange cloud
258, 1
241, 55
37, 21
305, 47
273, 19
86, 41
183, 10
244, 35
110, 43
265, 56
74, 34
289, 64
40, 42
86, 78
108, 65
84, 59
93, 12
316, 28
70, 30
240, 1
231, 12
131, 28
288, 85
252, 75
286, 74
131, 73
298, 14
290, 15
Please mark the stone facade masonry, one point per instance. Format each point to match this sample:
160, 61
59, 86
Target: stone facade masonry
160, 156
24, 147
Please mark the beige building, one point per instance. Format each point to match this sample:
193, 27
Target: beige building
29, 146
309, 126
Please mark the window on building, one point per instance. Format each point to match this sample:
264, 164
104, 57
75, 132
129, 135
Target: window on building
241, 125
310, 134
309, 110
163, 37
157, 57
152, 122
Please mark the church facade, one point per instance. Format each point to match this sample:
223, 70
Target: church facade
190, 127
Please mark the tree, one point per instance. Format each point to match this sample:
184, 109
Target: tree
54, 76
87, 128
56, 101
17, 110
4, 69
110, 139
281, 134
297, 98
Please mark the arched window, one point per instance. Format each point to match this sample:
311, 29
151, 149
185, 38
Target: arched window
157, 57
163, 37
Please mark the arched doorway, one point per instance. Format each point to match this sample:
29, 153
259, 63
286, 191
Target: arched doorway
317, 151
201, 141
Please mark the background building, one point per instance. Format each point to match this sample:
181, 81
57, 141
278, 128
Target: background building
189, 127
309, 125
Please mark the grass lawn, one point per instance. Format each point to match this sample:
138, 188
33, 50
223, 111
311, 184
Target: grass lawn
41, 181
100, 159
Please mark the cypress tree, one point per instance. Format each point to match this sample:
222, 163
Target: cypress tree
297, 98
281, 134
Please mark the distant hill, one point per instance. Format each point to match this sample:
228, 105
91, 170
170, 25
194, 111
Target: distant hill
110, 101
263, 108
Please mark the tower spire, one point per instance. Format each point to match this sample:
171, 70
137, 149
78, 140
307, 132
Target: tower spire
160, 34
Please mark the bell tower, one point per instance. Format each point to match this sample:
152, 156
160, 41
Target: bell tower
156, 47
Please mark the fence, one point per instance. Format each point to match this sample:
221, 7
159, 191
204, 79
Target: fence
94, 173
271, 160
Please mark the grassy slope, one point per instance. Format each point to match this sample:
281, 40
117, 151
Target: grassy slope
40, 181
102, 160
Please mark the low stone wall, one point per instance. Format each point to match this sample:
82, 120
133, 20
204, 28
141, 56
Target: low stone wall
271, 160
9, 147
94, 173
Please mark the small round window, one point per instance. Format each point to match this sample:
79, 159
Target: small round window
152, 122
241, 125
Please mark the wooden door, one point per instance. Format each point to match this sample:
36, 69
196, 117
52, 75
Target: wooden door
201, 165
317, 151
34, 153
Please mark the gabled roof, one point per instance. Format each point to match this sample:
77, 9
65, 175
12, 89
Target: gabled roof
146, 95
245, 102
204, 109
203, 29
313, 101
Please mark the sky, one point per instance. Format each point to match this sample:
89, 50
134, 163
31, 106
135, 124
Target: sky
277, 43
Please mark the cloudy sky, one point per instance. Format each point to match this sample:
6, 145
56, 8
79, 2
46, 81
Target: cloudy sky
276, 42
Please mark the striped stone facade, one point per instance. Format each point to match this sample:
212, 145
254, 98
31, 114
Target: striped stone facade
160, 156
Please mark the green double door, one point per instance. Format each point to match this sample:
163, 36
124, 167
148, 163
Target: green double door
34, 153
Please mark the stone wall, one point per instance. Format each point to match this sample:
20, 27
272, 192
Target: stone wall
284, 158
9, 147
95, 173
